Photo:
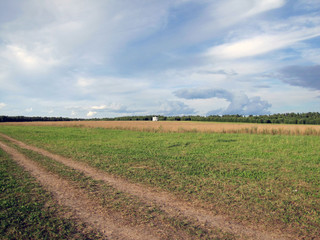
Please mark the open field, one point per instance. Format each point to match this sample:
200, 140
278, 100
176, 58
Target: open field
265, 183
177, 126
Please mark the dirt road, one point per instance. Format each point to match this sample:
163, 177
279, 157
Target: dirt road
94, 214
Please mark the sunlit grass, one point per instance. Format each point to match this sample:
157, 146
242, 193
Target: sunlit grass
273, 179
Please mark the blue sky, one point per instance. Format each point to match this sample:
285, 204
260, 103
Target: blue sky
108, 58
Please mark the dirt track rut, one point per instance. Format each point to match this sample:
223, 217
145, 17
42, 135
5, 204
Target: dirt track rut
166, 201
79, 204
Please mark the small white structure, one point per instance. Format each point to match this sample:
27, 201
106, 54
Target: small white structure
155, 119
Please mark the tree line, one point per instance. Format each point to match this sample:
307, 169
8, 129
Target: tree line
286, 118
35, 119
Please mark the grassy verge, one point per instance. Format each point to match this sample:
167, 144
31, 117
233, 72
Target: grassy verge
28, 212
270, 179
133, 211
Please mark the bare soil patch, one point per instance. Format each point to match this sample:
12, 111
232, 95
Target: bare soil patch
166, 201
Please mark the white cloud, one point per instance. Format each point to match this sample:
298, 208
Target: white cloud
175, 108
113, 87
29, 109
229, 12
239, 102
99, 107
113, 107
2, 105
261, 44
116, 107
85, 82
91, 114
247, 8
218, 18
79, 33
260, 6
29, 60
25, 58
307, 53
242, 104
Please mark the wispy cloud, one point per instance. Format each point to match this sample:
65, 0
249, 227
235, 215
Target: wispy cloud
232, 10
260, 44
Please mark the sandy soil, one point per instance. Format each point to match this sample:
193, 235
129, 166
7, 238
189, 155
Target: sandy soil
166, 201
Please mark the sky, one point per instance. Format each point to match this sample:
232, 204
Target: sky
109, 58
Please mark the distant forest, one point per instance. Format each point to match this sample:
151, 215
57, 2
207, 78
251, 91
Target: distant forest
36, 119
286, 118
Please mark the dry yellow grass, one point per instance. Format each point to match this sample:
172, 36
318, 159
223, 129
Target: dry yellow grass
168, 126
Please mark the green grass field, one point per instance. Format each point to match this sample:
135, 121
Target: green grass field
268, 179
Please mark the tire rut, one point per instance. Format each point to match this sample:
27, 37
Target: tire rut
81, 206
166, 201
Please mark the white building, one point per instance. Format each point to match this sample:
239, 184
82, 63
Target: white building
155, 119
